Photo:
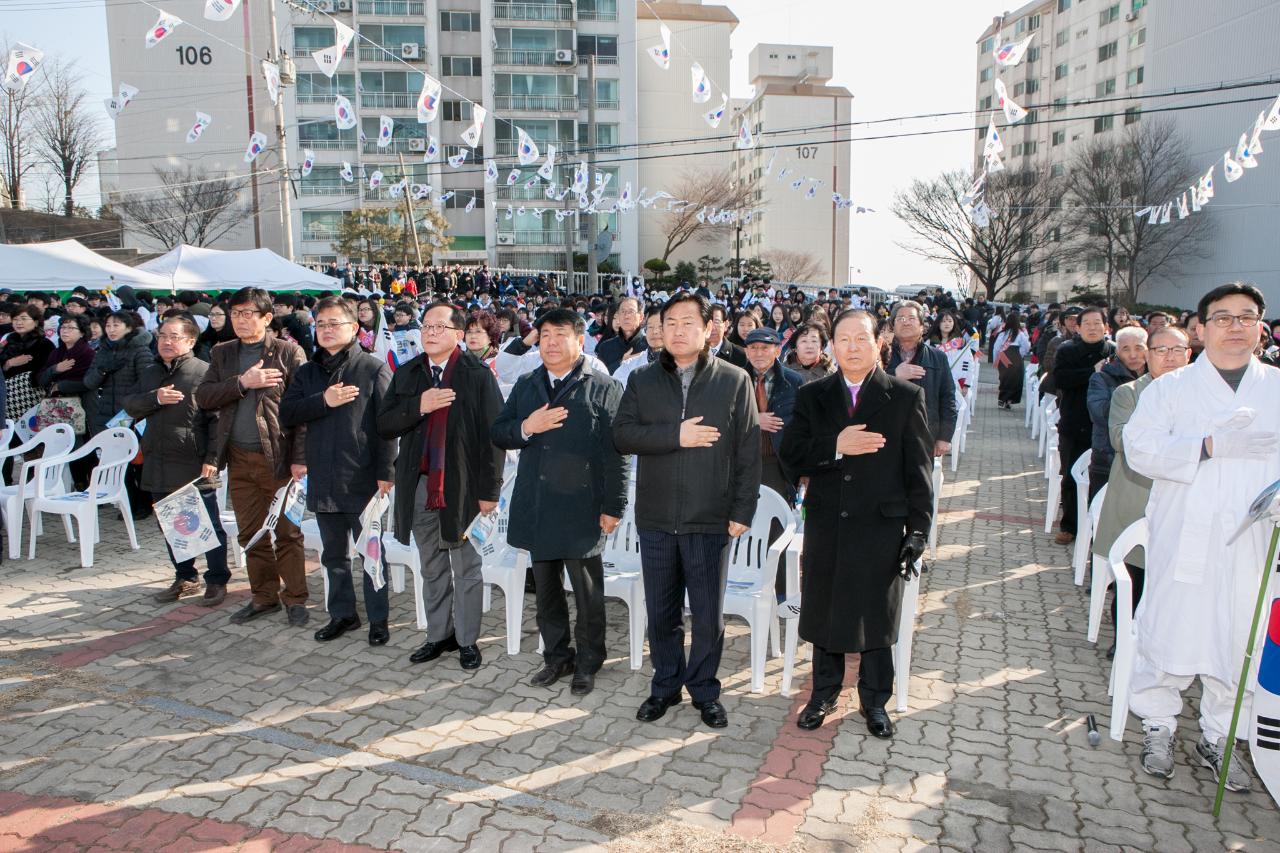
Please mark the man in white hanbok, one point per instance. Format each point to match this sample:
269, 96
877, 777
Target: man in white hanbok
1206, 436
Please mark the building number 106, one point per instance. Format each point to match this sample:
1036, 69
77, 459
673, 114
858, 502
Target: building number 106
190, 55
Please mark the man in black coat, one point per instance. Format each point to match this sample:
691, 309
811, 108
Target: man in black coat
570, 492
863, 440
775, 394
441, 405
177, 447
719, 345
1073, 365
692, 421
334, 399
913, 360
629, 338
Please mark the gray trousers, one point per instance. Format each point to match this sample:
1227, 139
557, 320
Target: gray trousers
451, 576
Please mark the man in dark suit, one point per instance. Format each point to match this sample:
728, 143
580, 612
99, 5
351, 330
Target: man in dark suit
570, 492
629, 338
692, 421
719, 345
911, 358
440, 406
863, 440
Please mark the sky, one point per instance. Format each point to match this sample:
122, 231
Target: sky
892, 70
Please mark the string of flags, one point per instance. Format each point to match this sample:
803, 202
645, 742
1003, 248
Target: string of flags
973, 202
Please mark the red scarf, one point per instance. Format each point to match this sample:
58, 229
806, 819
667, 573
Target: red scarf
433, 444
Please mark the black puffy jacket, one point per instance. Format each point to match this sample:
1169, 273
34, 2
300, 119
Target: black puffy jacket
177, 439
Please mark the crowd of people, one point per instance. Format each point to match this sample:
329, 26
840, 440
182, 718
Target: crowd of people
704, 394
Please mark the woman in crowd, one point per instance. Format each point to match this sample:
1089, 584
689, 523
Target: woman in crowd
482, 337
957, 344
1010, 348
96, 333
405, 317
63, 376
808, 355
780, 322
743, 326
367, 317
219, 330
124, 353
1120, 317
23, 355
509, 325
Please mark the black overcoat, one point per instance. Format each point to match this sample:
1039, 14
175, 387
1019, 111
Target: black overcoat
858, 508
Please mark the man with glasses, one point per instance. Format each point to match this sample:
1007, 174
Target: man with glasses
720, 346
244, 384
336, 396
629, 339
910, 358
1206, 436
441, 405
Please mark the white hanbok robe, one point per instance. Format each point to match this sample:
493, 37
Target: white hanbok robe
1198, 601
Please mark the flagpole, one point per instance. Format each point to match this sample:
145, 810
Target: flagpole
1244, 670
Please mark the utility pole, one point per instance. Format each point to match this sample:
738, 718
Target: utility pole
282, 180
592, 261
408, 206
248, 87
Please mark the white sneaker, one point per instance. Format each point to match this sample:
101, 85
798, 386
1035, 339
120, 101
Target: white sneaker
1238, 778
1157, 751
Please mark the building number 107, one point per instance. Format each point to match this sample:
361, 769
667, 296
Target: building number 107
807, 152
190, 55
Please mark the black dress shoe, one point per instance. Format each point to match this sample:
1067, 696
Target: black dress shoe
551, 673
583, 683
432, 649
713, 713
655, 706
878, 722
469, 657
336, 628
813, 714
378, 634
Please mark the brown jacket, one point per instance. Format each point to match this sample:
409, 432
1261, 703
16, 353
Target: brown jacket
220, 391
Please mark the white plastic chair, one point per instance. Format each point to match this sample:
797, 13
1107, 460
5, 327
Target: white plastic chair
1048, 424
962, 427
1031, 394
790, 613
1108, 571
116, 449
753, 566
1055, 489
310, 528
1084, 521
55, 440
937, 496
622, 579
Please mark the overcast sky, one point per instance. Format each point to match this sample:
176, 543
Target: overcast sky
891, 69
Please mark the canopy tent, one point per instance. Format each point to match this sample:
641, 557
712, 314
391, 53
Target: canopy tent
195, 268
65, 264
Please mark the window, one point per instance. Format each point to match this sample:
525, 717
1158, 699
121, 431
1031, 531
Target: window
461, 198
1097, 263
1033, 54
1109, 15
1108, 51
1132, 114
476, 154
1059, 137
984, 75
988, 45
1104, 88
606, 134
1027, 24
1018, 89
1102, 124
1064, 5
599, 46
390, 36
1138, 4
1057, 170
1059, 104
1134, 77
457, 111
984, 103
460, 66
1051, 266
307, 39
1097, 229
1063, 37
1029, 148
1061, 71
459, 22
1137, 39
321, 224
1033, 86
1033, 116
607, 94
1024, 268
314, 87
598, 10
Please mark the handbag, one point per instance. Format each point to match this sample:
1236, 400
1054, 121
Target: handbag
20, 395
61, 410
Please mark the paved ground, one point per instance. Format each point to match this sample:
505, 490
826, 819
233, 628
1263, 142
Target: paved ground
129, 726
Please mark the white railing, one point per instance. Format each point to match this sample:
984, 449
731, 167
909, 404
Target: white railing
533, 11
537, 103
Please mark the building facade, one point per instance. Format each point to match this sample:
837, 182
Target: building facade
798, 120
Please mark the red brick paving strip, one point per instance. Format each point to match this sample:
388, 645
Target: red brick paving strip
30, 824
775, 805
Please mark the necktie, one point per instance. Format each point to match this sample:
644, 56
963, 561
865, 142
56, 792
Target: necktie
555, 386
437, 375
853, 397
762, 405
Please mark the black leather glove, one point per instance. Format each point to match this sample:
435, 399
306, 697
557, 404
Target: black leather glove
912, 550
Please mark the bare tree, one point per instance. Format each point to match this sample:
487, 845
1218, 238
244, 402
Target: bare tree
793, 266
1108, 180
68, 134
706, 192
191, 207
17, 118
1021, 238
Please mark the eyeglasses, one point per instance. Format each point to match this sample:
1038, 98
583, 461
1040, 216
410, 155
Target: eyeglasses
906, 320
331, 325
165, 336
1163, 351
437, 328
1226, 321
246, 314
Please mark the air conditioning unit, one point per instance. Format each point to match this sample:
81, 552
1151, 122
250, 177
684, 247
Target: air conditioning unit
324, 5
417, 144
344, 5
564, 57
506, 239
410, 50
1132, 16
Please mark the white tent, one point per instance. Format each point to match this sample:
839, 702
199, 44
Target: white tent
65, 264
195, 268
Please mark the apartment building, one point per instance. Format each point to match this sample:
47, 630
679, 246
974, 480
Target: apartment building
523, 62
1083, 49
797, 118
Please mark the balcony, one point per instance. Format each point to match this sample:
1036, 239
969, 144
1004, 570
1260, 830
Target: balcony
597, 15
522, 193
318, 98
531, 238
507, 147
532, 12
529, 57
397, 146
537, 103
606, 105
390, 100
328, 144
392, 8
327, 189
320, 235
391, 53
585, 59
